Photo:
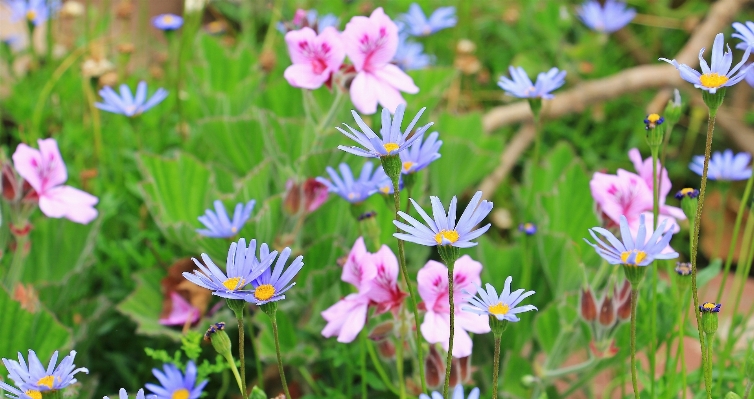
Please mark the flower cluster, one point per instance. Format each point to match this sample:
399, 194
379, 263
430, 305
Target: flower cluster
33, 379
375, 276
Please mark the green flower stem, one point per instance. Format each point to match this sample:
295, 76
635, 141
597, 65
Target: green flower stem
747, 391
634, 301
273, 318
708, 340
327, 119
234, 369
496, 367
549, 374
381, 370
449, 255
653, 318
17, 262
363, 361
404, 272
734, 240
528, 261
399, 366
257, 357
695, 247
241, 356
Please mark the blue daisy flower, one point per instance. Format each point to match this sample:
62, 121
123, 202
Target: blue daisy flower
36, 378
350, 189
34, 11
745, 33
242, 268
392, 142
521, 86
633, 252
710, 307
217, 223
15, 393
443, 230
418, 24
420, 154
128, 104
174, 384
718, 74
457, 394
608, 18
410, 55
167, 22
273, 282
723, 166
503, 307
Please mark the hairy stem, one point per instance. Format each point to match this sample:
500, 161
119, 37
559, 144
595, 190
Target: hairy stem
496, 367
449, 359
279, 356
634, 301
241, 355
653, 318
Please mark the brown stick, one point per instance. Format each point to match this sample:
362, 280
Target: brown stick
515, 147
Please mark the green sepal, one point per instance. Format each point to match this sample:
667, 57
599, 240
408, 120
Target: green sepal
409, 180
392, 165
498, 326
236, 305
449, 254
536, 106
270, 308
689, 206
635, 274
221, 343
709, 323
731, 395
257, 393
713, 101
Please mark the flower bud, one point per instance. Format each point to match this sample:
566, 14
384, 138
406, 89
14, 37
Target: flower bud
434, 368
219, 338
528, 380
624, 309
634, 274
607, 312
709, 317
655, 131
731, 395
497, 326
674, 108
689, 202
683, 276
528, 228
588, 306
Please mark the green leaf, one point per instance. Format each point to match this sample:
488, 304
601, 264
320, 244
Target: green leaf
22, 330
144, 305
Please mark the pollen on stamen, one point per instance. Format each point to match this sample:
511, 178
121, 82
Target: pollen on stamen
234, 283
640, 256
47, 381
33, 394
450, 235
712, 80
264, 292
390, 147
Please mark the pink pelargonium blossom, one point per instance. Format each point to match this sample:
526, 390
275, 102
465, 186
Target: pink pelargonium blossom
371, 44
623, 193
45, 171
433, 289
375, 275
315, 57
644, 169
181, 312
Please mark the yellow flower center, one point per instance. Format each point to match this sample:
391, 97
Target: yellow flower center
640, 256
46, 381
450, 235
687, 191
234, 229
653, 118
390, 147
385, 189
33, 394
499, 310
528, 226
264, 292
712, 80
182, 393
352, 196
168, 19
31, 15
708, 305
234, 283
407, 165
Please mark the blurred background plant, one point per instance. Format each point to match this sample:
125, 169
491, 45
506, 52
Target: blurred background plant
232, 128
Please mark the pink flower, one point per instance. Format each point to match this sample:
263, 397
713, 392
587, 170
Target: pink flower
644, 168
181, 312
315, 57
433, 289
45, 171
376, 278
346, 318
371, 44
624, 193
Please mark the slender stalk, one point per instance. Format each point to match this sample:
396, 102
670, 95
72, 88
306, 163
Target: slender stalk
695, 247
681, 354
411, 292
496, 367
241, 356
734, 240
234, 369
224, 385
449, 359
653, 318
363, 359
399, 367
747, 391
17, 262
634, 301
257, 357
380, 370
280, 358
570, 369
